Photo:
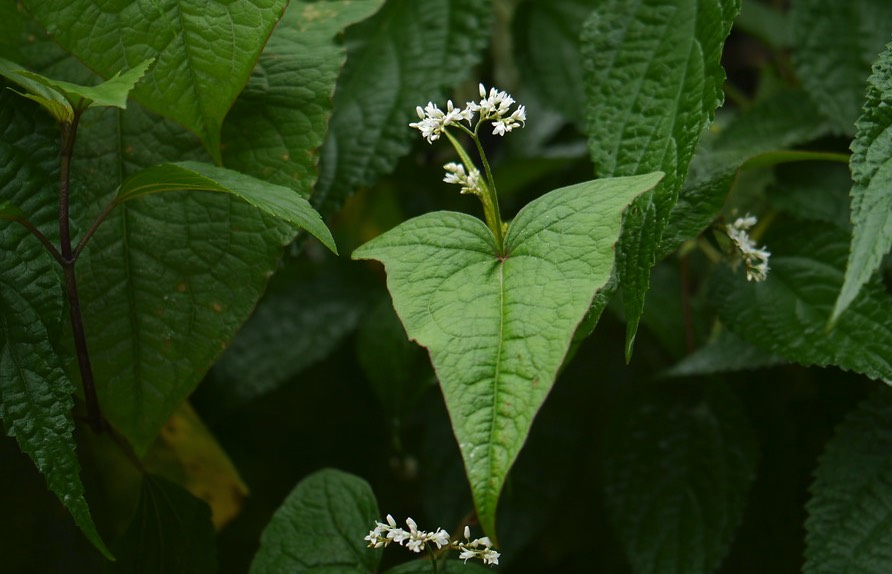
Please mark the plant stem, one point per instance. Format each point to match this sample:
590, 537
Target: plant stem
94, 415
489, 198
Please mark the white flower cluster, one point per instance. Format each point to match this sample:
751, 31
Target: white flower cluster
755, 259
415, 540
493, 107
469, 182
478, 548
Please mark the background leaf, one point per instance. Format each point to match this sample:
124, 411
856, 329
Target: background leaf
850, 513
835, 44
275, 200
320, 528
170, 532
679, 462
35, 393
787, 313
871, 166
288, 101
405, 55
498, 326
653, 81
204, 50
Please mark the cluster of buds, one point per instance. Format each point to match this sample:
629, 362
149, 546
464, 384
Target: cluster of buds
494, 107
755, 259
469, 182
415, 540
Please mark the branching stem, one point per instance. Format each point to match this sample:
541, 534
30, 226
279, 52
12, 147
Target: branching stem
67, 260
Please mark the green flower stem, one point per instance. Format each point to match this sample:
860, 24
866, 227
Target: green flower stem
69, 257
489, 198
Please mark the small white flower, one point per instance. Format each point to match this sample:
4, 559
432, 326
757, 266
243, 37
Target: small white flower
440, 538
434, 120
490, 556
467, 554
755, 259
469, 182
468, 528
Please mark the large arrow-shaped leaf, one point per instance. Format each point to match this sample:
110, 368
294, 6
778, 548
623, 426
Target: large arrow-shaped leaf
498, 325
205, 50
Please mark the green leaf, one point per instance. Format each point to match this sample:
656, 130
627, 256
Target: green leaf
35, 393
304, 315
405, 55
814, 192
170, 532
446, 567
723, 353
46, 91
204, 50
678, 466
288, 100
320, 528
787, 314
50, 98
498, 325
549, 32
849, 525
10, 212
871, 167
835, 44
784, 119
653, 82
194, 176
166, 281
398, 370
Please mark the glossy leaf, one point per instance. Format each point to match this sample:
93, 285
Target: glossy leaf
498, 325
204, 50
170, 532
677, 470
835, 43
654, 80
51, 99
407, 54
288, 100
194, 176
849, 525
320, 528
872, 184
35, 393
787, 313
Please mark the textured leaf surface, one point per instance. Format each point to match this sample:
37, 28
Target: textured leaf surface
726, 352
405, 55
302, 318
787, 314
871, 166
320, 528
835, 44
677, 470
168, 279
498, 326
51, 99
170, 532
787, 118
288, 100
654, 80
204, 50
194, 176
549, 32
849, 525
35, 393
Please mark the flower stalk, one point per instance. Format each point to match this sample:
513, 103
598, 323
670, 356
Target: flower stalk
494, 107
